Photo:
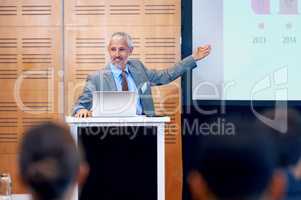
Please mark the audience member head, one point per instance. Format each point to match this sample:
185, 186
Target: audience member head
237, 167
50, 163
285, 130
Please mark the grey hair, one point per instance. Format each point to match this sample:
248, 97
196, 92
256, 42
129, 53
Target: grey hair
125, 36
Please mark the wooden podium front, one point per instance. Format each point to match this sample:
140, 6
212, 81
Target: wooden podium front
126, 156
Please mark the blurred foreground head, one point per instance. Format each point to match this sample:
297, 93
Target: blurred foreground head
50, 163
286, 134
238, 167
285, 129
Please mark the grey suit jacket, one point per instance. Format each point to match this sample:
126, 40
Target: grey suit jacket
144, 78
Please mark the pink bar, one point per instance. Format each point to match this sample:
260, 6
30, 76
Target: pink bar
261, 7
288, 7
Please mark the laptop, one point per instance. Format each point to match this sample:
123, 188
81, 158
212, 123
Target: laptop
114, 104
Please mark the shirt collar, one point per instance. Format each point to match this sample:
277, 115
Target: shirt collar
117, 71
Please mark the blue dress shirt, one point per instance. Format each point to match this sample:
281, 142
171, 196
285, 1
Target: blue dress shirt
117, 74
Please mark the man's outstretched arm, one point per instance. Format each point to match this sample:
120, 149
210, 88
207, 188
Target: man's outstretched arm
160, 77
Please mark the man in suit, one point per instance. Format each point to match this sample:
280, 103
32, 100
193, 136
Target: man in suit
122, 74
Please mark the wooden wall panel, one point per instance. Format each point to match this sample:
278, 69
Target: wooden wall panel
30, 13
29, 66
30, 63
120, 12
10, 163
9, 118
8, 133
167, 102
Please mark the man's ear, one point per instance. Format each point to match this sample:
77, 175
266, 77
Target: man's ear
83, 173
131, 50
277, 187
198, 186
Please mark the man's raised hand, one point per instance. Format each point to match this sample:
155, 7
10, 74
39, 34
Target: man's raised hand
201, 52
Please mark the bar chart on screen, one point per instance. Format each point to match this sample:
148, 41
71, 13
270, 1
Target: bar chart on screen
265, 47
255, 50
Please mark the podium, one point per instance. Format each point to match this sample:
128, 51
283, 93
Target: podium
137, 139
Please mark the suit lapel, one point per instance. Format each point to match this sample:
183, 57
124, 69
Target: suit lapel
109, 82
145, 96
136, 74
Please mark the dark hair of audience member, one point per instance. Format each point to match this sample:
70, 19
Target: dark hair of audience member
287, 142
236, 167
49, 161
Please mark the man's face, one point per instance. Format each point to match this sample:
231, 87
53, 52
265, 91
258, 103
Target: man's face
119, 51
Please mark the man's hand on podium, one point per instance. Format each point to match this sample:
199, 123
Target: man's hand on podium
83, 113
